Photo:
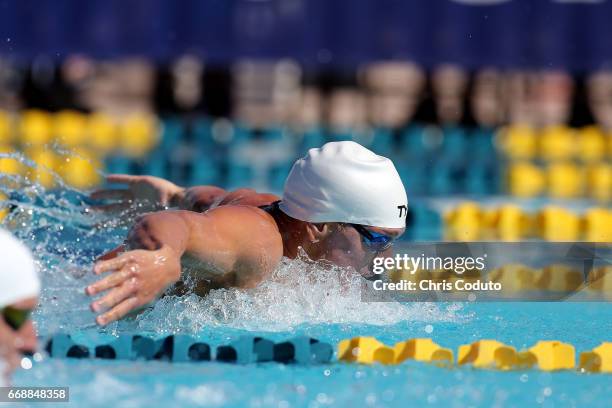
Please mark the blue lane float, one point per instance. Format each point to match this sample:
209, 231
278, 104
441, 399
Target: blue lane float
62, 346
182, 348
128, 347
245, 350
303, 350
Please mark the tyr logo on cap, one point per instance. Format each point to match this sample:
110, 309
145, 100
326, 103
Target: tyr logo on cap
403, 210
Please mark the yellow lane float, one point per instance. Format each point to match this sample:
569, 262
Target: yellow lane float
424, 350
598, 360
487, 354
550, 356
365, 350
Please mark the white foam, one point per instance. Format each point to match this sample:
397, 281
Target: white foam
300, 291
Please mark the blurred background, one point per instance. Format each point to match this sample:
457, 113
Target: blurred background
497, 113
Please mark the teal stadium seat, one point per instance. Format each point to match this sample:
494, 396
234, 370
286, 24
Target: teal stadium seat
118, 164
202, 136
413, 174
277, 175
204, 171
156, 164
444, 177
239, 175
311, 138
481, 142
172, 134
423, 223
417, 142
340, 135
241, 134
454, 142
481, 178
383, 142
276, 134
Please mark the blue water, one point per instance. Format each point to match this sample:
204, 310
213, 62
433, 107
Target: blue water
301, 299
98, 383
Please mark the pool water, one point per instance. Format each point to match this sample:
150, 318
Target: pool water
302, 298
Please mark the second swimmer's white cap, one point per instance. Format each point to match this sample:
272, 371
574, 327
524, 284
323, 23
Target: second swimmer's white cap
18, 276
345, 182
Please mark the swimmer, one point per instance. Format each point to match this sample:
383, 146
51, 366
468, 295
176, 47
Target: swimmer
341, 203
19, 290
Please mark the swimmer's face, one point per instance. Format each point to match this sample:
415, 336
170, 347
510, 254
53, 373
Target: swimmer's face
22, 339
345, 246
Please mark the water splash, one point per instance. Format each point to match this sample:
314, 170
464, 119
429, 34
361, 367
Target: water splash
65, 237
299, 292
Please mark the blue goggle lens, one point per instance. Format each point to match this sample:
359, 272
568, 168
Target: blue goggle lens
373, 240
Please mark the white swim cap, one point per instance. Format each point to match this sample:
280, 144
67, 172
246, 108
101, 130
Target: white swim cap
18, 277
345, 182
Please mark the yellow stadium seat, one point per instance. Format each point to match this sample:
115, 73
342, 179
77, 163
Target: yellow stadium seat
507, 223
525, 179
557, 143
102, 133
69, 128
365, 350
139, 134
35, 128
463, 223
597, 225
599, 181
487, 354
10, 165
565, 180
518, 142
424, 350
80, 169
45, 161
488, 221
558, 224
6, 128
551, 355
591, 144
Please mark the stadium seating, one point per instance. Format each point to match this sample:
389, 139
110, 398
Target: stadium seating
558, 162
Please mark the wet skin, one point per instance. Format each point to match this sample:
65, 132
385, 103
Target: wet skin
15, 342
222, 238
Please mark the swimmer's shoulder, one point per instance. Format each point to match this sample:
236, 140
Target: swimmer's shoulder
254, 231
243, 215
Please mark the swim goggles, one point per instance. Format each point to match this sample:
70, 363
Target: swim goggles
14, 317
375, 241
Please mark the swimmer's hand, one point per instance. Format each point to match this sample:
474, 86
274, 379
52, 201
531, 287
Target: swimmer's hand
148, 192
137, 278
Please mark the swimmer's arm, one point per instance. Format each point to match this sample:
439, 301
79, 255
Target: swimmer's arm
148, 191
154, 193
241, 244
